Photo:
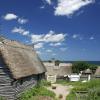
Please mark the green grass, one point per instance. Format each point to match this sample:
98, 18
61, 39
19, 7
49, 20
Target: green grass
65, 82
45, 83
38, 97
92, 87
71, 96
61, 81
38, 90
2, 98
94, 94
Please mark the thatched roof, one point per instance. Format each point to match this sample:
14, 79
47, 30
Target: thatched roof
97, 71
22, 60
88, 71
61, 70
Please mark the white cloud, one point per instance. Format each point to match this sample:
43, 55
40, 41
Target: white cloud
69, 7
38, 52
49, 37
48, 2
42, 7
38, 45
53, 37
48, 50
80, 12
20, 30
91, 38
10, 16
75, 36
63, 49
22, 20
37, 38
27, 41
55, 44
26, 32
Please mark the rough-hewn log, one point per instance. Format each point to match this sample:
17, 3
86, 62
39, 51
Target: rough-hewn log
10, 88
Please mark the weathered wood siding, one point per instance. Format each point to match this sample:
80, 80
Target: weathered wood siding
10, 88
18, 63
24, 83
6, 90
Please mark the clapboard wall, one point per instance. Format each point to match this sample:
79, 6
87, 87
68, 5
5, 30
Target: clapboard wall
6, 90
10, 88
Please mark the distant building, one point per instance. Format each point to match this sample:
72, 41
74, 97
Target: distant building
20, 68
87, 71
57, 68
97, 73
74, 78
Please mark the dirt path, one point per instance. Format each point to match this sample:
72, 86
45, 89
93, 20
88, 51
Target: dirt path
61, 89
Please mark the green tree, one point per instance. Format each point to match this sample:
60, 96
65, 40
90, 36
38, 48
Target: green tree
79, 66
93, 67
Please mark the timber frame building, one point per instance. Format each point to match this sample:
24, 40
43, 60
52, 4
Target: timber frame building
20, 68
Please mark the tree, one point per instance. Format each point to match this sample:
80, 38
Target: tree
93, 68
79, 66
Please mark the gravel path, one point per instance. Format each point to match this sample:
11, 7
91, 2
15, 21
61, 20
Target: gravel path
60, 89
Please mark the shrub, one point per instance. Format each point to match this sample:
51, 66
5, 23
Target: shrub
44, 92
79, 66
45, 83
92, 87
71, 96
2, 98
94, 94
36, 91
88, 85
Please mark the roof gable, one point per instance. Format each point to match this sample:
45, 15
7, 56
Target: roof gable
22, 60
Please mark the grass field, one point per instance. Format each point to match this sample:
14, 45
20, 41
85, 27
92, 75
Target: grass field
92, 88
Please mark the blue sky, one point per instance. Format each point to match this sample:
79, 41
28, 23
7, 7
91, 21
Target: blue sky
61, 29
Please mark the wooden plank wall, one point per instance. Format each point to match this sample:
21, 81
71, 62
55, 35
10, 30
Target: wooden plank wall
9, 90
6, 90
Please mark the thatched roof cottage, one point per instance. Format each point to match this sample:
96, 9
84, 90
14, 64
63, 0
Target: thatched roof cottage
20, 68
58, 69
87, 71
